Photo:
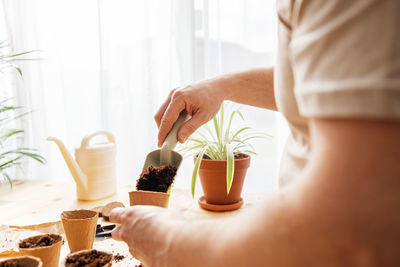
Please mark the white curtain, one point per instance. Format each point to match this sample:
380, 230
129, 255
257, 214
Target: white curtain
109, 64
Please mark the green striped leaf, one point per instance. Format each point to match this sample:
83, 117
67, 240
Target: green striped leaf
196, 169
230, 167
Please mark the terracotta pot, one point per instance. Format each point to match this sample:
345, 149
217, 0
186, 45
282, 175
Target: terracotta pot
25, 261
88, 251
213, 180
140, 197
49, 255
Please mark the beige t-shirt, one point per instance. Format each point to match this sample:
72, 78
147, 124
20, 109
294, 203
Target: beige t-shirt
336, 58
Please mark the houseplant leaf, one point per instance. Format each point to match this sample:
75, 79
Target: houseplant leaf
230, 167
196, 168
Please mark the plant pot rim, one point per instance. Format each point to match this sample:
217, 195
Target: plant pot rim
93, 214
217, 160
149, 192
40, 248
17, 258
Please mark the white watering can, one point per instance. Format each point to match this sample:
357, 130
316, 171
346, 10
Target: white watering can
94, 168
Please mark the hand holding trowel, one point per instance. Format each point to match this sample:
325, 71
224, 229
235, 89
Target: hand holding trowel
166, 155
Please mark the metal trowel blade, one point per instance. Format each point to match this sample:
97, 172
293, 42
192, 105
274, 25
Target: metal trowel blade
154, 159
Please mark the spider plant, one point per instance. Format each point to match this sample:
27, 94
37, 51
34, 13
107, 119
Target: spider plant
8, 59
217, 140
11, 155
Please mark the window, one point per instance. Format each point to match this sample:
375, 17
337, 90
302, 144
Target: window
110, 64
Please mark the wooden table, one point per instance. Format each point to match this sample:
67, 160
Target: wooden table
35, 202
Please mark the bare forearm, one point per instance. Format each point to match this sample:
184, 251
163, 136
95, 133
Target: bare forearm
342, 212
197, 244
253, 87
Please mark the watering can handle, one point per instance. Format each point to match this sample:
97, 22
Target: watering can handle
86, 140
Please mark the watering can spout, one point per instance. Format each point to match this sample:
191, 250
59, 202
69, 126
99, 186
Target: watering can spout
77, 173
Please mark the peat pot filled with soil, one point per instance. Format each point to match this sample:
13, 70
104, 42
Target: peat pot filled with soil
153, 186
25, 261
47, 247
89, 258
213, 179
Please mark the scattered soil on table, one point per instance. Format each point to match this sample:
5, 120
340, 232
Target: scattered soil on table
157, 179
40, 241
92, 258
106, 210
118, 257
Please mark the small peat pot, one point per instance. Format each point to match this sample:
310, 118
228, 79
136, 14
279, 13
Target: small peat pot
45, 247
140, 197
213, 181
80, 228
153, 186
24, 261
89, 257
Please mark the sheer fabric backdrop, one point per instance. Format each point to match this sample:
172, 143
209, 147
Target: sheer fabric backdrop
110, 64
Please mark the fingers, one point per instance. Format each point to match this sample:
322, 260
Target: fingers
189, 127
116, 233
115, 215
160, 113
170, 115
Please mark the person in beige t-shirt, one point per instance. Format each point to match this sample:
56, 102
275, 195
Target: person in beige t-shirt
337, 82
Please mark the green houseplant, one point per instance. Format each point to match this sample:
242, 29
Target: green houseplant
11, 154
222, 156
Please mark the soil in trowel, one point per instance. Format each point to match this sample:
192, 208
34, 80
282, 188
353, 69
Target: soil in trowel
39, 241
90, 259
157, 179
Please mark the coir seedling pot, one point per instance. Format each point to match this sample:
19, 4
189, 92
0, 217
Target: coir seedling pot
80, 228
140, 197
25, 261
49, 254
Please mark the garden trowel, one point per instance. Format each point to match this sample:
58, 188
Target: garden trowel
166, 155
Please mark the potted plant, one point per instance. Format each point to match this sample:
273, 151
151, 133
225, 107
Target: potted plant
222, 157
12, 154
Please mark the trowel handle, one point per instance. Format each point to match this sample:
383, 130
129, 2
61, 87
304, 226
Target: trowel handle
172, 138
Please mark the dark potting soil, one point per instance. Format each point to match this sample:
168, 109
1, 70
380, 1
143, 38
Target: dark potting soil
241, 156
118, 257
93, 258
157, 179
39, 241
19, 263
237, 156
9, 263
140, 265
